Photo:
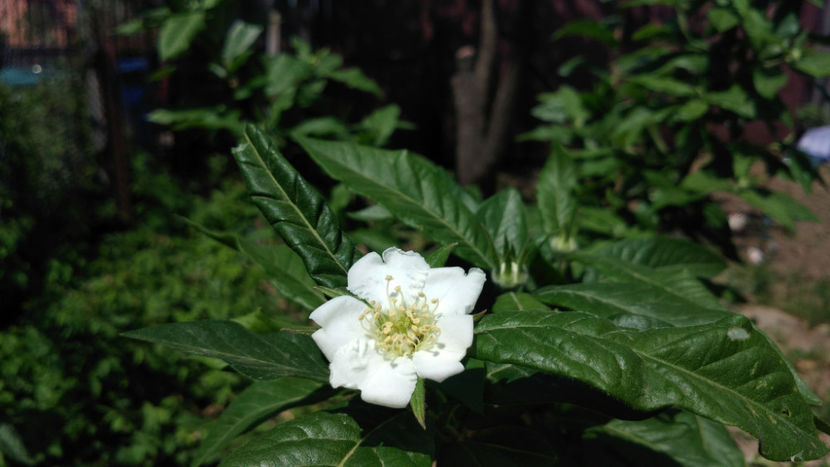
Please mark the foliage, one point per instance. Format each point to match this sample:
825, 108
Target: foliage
72, 390
652, 135
587, 355
46, 176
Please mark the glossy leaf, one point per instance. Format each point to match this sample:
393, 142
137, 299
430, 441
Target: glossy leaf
518, 301
320, 439
256, 403
724, 371
504, 217
438, 258
679, 284
177, 32
687, 439
259, 357
412, 188
667, 254
295, 209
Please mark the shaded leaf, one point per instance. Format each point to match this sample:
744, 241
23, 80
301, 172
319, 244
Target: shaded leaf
438, 258
259, 357
256, 403
688, 439
725, 371
518, 301
295, 209
555, 191
418, 403
239, 39
320, 439
667, 254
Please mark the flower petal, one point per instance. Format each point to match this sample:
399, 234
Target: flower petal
456, 333
456, 291
390, 384
367, 277
437, 366
339, 318
353, 363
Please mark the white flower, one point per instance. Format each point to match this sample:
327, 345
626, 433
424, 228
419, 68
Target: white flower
417, 324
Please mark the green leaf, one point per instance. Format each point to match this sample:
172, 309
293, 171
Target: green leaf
259, 357
320, 439
209, 118
768, 84
504, 217
413, 189
680, 284
418, 403
637, 305
588, 28
555, 191
380, 124
256, 403
518, 301
725, 371
667, 254
779, 207
815, 64
438, 258
733, 99
355, 79
177, 32
663, 84
321, 126
691, 110
688, 439
12, 446
284, 268
722, 19
561, 106
295, 209
239, 39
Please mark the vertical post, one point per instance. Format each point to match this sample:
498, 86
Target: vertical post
272, 35
111, 95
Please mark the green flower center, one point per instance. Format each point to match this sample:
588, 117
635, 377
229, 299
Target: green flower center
404, 326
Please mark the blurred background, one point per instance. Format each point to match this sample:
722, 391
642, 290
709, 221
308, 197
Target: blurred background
117, 118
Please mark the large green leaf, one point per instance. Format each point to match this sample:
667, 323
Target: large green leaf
504, 216
259, 357
177, 32
414, 189
259, 401
295, 209
679, 284
555, 191
321, 439
688, 439
725, 371
518, 301
637, 305
284, 268
667, 254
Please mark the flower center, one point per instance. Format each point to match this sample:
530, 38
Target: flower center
404, 326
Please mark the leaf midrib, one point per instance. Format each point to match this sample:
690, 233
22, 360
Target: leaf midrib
285, 196
794, 428
410, 200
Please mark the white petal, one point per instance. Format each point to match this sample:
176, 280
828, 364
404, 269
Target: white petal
390, 384
353, 363
456, 292
367, 277
456, 333
339, 318
439, 365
